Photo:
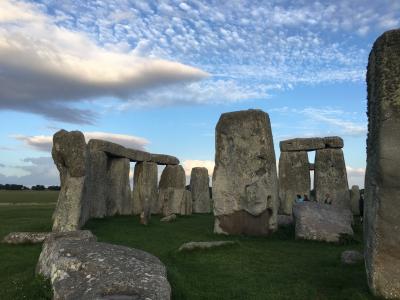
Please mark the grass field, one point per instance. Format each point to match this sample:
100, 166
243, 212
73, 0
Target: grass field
277, 267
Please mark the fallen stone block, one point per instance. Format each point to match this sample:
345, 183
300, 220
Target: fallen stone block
321, 222
81, 268
169, 218
190, 246
16, 238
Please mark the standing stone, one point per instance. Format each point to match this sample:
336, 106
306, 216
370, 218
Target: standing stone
96, 183
294, 178
187, 203
330, 177
119, 199
382, 180
355, 199
70, 156
199, 185
171, 189
245, 183
145, 190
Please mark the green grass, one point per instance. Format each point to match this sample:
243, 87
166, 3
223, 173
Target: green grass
277, 267
28, 197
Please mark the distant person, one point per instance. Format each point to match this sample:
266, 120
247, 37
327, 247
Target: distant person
328, 199
298, 198
306, 198
361, 207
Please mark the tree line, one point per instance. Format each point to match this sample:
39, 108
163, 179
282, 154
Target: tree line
20, 187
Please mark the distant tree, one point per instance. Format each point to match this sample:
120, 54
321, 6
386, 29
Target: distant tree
38, 187
54, 188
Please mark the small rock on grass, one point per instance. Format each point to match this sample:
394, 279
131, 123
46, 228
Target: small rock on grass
169, 218
351, 257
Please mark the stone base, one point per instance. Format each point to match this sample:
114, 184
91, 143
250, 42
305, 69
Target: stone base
241, 222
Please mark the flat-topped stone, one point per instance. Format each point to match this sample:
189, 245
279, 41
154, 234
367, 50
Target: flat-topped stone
333, 142
116, 150
81, 268
311, 144
164, 159
302, 144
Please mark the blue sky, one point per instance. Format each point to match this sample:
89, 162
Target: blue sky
156, 75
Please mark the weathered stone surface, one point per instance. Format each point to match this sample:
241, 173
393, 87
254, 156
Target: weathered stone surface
355, 200
333, 142
119, 198
199, 186
285, 220
169, 218
70, 153
163, 159
190, 246
187, 203
71, 158
81, 268
294, 178
25, 237
302, 144
145, 190
171, 189
322, 222
119, 151
330, 177
351, 257
382, 181
96, 184
245, 183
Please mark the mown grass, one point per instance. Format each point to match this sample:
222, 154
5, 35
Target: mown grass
277, 267
19, 197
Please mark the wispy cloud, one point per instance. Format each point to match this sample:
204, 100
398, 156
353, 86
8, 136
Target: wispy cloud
45, 142
341, 122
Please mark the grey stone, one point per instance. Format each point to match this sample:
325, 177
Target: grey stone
245, 183
351, 257
321, 222
355, 200
118, 151
285, 220
330, 177
333, 142
96, 184
71, 158
187, 203
119, 198
81, 268
145, 190
311, 166
169, 218
382, 180
199, 185
163, 159
190, 246
25, 237
294, 178
172, 189
302, 144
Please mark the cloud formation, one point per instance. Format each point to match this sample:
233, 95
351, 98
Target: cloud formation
45, 142
189, 164
45, 67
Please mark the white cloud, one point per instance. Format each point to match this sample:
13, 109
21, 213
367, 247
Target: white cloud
45, 142
355, 176
189, 164
45, 65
